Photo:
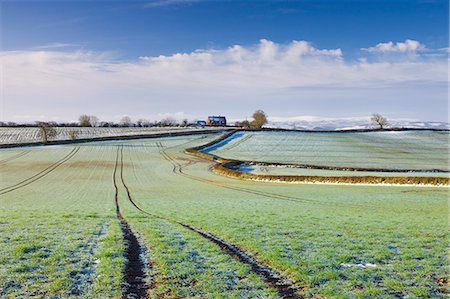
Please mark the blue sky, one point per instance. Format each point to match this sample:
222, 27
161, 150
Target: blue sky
118, 41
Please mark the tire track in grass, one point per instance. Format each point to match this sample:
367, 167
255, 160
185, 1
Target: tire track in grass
18, 155
136, 267
274, 279
41, 173
178, 169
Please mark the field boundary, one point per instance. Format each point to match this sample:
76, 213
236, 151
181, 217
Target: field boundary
224, 169
349, 130
230, 167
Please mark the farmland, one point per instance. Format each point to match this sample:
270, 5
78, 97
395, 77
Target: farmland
65, 209
31, 134
412, 150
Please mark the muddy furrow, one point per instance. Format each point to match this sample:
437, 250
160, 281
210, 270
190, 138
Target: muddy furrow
136, 267
41, 173
274, 279
18, 155
285, 289
178, 169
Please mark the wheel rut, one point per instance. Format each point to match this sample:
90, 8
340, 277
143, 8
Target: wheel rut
135, 270
178, 169
274, 279
18, 155
41, 173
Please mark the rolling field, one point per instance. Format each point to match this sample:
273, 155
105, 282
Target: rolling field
411, 150
128, 218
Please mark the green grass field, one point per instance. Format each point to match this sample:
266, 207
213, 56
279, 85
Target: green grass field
60, 237
415, 150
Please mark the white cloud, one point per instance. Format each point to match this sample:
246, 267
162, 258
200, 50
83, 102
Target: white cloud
280, 78
54, 46
408, 45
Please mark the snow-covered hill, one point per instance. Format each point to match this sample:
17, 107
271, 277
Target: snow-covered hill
320, 123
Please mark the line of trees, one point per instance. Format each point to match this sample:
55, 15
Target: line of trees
126, 121
93, 121
260, 119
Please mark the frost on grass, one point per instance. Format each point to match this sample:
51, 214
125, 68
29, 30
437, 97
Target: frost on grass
360, 265
109, 263
188, 265
405, 150
53, 256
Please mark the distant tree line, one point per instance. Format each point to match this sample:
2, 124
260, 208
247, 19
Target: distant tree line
260, 119
47, 129
93, 121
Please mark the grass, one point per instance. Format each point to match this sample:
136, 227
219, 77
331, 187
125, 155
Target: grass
327, 227
109, 263
56, 255
59, 235
188, 266
57, 231
30, 134
396, 150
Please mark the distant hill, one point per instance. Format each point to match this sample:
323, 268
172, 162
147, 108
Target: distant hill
316, 123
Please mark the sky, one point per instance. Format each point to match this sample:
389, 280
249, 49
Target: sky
194, 58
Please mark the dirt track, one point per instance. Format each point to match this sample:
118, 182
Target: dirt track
284, 288
136, 268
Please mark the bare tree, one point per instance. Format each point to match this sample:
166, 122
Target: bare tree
93, 120
46, 131
259, 119
184, 122
141, 122
168, 122
84, 120
73, 134
379, 120
125, 121
243, 124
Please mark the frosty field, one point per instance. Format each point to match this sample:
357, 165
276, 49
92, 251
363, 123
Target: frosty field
60, 235
410, 150
31, 134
